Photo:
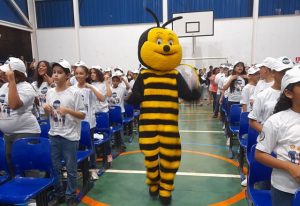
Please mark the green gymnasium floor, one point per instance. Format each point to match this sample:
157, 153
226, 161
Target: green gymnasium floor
205, 177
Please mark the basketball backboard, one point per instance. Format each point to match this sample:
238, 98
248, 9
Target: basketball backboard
194, 24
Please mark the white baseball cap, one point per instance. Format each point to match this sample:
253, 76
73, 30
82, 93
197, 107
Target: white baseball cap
117, 74
97, 67
80, 63
291, 76
15, 64
136, 71
107, 69
230, 68
63, 63
237, 62
282, 63
267, 62
253, 70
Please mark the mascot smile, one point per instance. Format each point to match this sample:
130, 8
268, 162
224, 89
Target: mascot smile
156, 90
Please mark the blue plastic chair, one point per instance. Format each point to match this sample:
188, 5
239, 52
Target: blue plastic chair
29, 154
258, 173
3, 165
243, 137
251, 140
102, 127
128, 121
116, 122
233, 125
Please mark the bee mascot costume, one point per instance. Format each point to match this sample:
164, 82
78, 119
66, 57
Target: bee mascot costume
157, 89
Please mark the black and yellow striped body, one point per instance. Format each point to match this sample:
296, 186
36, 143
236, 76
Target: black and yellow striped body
158, 129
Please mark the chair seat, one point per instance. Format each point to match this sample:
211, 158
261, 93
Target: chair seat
136, 113
243, 142
128, 119
3, 178
260, 197
234, 129
98, 141
116, 128
24, 188
81, 155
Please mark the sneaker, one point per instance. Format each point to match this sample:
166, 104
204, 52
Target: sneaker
94, 174
228, 142
244, 182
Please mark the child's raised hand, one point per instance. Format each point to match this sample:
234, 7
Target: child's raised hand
47, 108
62, 110
10, 75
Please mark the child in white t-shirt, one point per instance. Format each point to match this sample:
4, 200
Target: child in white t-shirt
66, 109
42, 83
90, 96
16, 103
265, 101
102, 83
253, 76
118, 91
280, 134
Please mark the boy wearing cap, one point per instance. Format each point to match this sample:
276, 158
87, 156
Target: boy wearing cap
66, 109
16, 102
253, 76
265, 102
280, 134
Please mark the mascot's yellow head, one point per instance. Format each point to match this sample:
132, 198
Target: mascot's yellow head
159, 48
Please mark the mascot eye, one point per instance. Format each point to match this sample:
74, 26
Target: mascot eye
170, 42
159, 41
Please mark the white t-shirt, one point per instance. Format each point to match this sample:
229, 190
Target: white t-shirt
239, 84
66, 126
101, 106
261, 86
264, 105
224, 80
42, 93
219, 80
281, 134
246, 94
117, 97
89, 100
20, 120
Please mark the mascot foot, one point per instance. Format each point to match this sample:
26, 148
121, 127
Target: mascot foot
153, 191
165, 200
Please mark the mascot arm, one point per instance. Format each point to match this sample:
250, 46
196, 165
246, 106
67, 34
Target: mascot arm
136, 96
184, 91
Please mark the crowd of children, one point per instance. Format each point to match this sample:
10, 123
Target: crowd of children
67, 95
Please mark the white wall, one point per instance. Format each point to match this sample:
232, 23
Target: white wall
117, 45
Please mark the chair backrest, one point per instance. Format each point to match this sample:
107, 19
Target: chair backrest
129, 111
252, 139
102, 120
115, 115
3, 164
224, 106
244, 124
257, 171
136, 107
235, 113
45, 127
32, 153
85, 136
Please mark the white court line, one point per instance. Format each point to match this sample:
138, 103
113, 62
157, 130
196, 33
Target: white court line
178, 173
199, 131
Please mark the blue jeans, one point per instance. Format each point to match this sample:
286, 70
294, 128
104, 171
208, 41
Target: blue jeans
280, 198
64, 149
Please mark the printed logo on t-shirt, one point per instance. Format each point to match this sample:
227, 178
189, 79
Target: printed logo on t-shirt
238, 85
58, 119
42, 96
294, 154
85, 103
5, 111
114, 99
